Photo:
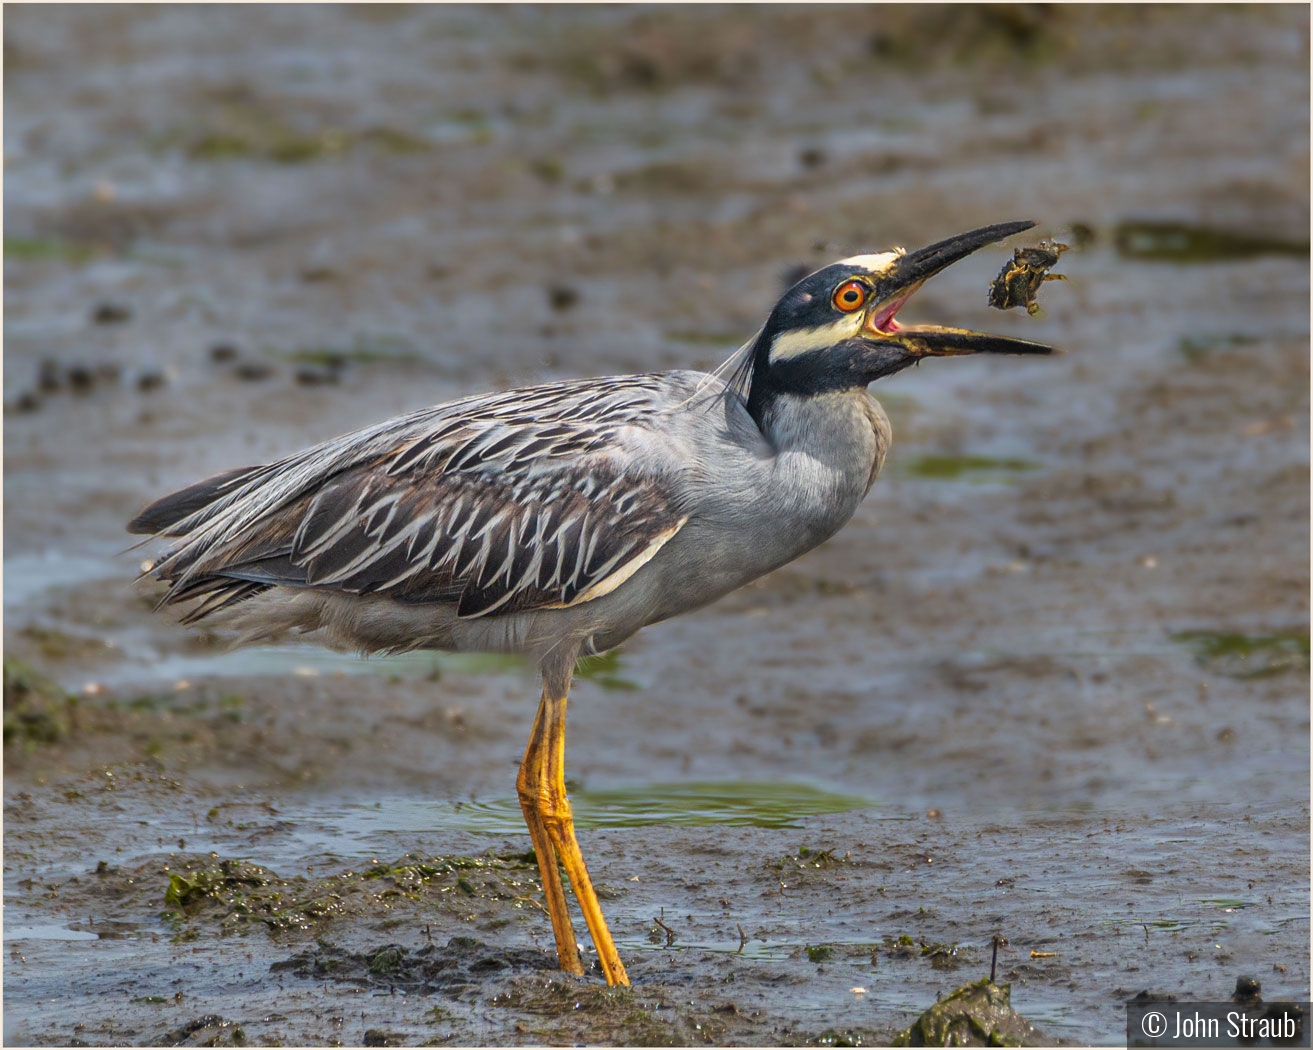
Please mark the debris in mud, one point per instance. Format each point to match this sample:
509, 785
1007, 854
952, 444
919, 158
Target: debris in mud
812, 157
248, 893
49, 375
943, 956
314, 375
210, 1030
978, 1014
151, 379
55, 644
846, 1037
1083, 235
316, 274
79, 377
217, 883
222, 353
564, 1010
1247, 990
808, 858
111, 313
109, 371
456, 969
37, 710
253, 371
562, 297
1018, 281
901, 947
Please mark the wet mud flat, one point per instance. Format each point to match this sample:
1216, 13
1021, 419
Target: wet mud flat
1050, 684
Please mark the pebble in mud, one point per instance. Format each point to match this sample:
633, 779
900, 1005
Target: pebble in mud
151, 379
1247, 990
50, 376
253, 371
811, 157
80, 379
314, 375
562, 297
111, 313
978, 1014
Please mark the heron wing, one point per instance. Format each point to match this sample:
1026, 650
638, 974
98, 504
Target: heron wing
499, 504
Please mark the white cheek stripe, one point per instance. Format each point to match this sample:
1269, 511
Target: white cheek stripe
822, 337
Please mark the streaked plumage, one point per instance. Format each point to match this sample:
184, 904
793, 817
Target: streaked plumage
521, 508
499, 504
558, 520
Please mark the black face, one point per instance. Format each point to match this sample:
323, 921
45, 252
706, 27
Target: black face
813, 300
835, 329
817, 340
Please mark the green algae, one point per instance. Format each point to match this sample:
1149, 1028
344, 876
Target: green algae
49, 249
36, 710
242, 894
706, 803
605, 671
243, 131
55, 644
1179, 242
819, 953
1198, 348
1238, 655
942, 467
364, 350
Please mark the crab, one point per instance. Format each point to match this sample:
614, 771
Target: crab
1018, 282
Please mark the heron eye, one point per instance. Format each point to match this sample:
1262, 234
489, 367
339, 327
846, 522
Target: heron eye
849, 296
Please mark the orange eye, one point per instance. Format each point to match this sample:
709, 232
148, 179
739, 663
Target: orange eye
849, 296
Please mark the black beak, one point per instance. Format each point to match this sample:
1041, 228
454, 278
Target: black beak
912, 270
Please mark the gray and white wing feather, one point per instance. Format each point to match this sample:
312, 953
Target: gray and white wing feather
497, 504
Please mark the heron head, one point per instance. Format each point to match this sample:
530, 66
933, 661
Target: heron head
837, 327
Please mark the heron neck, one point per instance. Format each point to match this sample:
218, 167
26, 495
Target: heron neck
835, 441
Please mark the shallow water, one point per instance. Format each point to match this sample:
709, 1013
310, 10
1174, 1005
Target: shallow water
1051, 682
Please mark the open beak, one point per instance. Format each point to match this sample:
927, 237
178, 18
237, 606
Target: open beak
911, 271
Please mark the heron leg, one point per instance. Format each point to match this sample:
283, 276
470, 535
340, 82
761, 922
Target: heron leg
532, 774
545, 782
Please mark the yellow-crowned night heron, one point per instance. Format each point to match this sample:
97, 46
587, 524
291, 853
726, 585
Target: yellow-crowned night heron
557, 520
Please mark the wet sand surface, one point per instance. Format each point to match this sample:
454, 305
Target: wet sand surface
1051, 683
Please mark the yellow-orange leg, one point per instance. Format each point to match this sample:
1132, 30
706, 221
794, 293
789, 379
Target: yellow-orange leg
541, 786
526, 784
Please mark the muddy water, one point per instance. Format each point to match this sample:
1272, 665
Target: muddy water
1050, 683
